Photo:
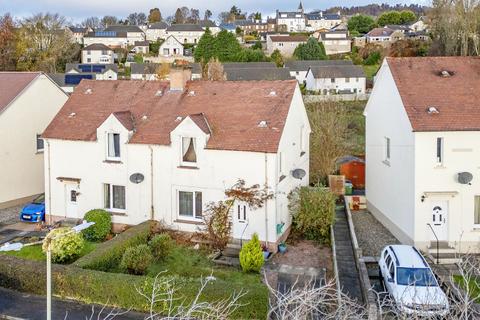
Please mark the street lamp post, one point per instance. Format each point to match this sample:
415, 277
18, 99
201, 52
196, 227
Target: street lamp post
18, 246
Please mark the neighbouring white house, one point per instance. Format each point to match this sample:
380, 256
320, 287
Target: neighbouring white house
186, 33
291, 21
384, 36
335, 42
141, 47
28, 102
423, 151
419, 25
97, 53
165, 150
156, 31
336, 79
299, 68
171, 47
286, 44
144, 71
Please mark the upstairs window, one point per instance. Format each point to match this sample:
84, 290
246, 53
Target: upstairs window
332, 80
476, 214
39, 142
113, 146
439, 151
189, 154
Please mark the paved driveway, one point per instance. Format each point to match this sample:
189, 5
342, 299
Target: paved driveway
10, 215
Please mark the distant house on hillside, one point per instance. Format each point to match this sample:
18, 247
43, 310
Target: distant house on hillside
28, 102
141, 47
97, 53
286, 44
249, 71
291, 21
144, 71
77, 33
186, 33
156, 31
299, 68
171, 47
115, 36
317, 20
384, 36
335, 42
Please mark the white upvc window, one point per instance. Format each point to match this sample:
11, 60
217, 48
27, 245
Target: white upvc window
189, 151
114, 197
190, 204
113, 146
476, 212
439, 151
387, 149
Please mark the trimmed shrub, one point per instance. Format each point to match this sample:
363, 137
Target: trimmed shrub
107, 255
102, 227
251, 255
161, 246
137, 259
313, 212
64, 248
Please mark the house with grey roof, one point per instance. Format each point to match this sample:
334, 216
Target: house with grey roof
119, 36
336, 79
249, 71
156, 31
77, 33
186, 33
291, 21
318, 20
144, 71
75, 72
335, 42
98, 53
299, 68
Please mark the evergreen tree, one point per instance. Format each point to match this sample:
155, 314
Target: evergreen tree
205, 49
312, 50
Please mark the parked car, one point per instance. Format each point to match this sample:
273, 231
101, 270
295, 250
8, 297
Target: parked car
34, 211
411, 283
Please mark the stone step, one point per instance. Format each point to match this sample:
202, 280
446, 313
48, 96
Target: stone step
441, 245
444, 258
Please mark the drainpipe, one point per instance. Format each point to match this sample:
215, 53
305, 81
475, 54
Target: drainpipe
152, 209
49, 185
266, 202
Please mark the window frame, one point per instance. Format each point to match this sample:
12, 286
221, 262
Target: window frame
475, 208
110, 206
194, 216
37, 140
195, 147
440, 151
108, 156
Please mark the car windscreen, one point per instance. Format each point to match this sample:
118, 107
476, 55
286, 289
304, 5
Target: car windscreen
422, 277
39, 200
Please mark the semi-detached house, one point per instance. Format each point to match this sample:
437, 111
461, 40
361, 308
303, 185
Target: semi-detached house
164, 151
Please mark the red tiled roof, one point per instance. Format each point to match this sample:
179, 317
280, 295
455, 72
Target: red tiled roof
201, 121
12, 84
456, 97
126, 119
233, 110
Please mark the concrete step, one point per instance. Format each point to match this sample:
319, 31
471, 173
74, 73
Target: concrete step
444, 257
441, 245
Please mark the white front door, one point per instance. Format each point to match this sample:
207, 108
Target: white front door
71, 200
439, 219
240, 220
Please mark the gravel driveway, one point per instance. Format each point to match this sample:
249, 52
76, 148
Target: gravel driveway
10, 215
372, 236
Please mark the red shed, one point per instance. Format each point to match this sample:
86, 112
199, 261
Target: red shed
353, 168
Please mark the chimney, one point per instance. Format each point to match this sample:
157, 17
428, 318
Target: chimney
179, 77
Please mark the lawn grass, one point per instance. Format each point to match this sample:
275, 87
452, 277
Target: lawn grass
370, 71
191, 263
35, 252
474, 286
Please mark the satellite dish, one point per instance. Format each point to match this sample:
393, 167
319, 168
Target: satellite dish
298, 173
137, 178
465, 177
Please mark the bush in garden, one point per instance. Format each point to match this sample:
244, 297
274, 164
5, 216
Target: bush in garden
102, 227
251, 255
137, 259
160, 245
64, 248
313, 212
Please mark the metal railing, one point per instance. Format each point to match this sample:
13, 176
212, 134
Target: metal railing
437, 258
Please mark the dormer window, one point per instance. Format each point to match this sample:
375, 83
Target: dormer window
113, 146
189, 154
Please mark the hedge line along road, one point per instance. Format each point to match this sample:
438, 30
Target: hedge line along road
19, 305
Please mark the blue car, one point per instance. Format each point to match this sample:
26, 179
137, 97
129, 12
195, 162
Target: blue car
34, 211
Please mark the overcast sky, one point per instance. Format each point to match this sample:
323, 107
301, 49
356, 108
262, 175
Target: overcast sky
78, 9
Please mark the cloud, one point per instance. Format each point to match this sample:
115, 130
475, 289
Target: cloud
76, 9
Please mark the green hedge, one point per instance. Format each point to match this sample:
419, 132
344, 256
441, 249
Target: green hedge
107, 255
118, 290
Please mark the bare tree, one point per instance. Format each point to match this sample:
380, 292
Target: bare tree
163, 71
91, 22
108, 21
215, 70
